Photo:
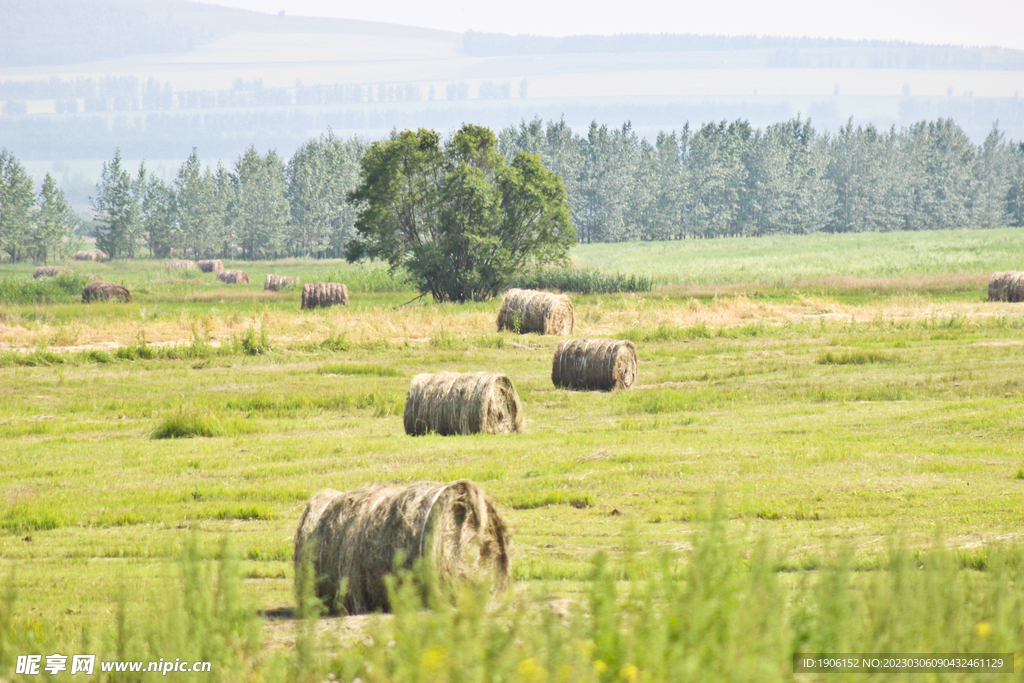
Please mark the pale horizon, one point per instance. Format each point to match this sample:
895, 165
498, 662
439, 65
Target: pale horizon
987, 23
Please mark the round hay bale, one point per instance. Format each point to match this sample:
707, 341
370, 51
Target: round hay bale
180, 265
233, 277
594, 364
49, 271
91, 255
275, 283
530, 310
104, 291
356, 539
1007, 286
449, 403
322, 294
211, 266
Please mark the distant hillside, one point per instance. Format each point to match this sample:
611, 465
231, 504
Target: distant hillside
52, 32
776, 52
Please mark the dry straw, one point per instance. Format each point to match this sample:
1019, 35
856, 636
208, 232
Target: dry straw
91, 255
233, 277
275, 283
594, 364
354, 540
529, 310
463, 403
211, 266
1008, 286
104, 291
48, 271
321, 294
180, 265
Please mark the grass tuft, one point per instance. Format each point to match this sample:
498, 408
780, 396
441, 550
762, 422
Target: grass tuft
185, 425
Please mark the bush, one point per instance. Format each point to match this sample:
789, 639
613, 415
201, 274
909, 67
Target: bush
62, 289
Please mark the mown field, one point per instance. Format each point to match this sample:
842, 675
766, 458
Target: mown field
842, 408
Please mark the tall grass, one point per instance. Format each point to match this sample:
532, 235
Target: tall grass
62, 289
581, 281
729, 609
368, 278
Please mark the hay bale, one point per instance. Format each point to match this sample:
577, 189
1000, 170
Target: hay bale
530, 310
275, 283
1008, 286
103, 291
463, 403
91, 255
322, 294
180, 265
358, 538
211, 266
49, 271
233, 277
594, 364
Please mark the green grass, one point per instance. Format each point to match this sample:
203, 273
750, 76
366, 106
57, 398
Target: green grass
581, 281
846, 431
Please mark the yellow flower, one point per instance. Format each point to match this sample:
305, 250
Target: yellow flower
531, 670
983, 629
432, 660
600, 667
630, 673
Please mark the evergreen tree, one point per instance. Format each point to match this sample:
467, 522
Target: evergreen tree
992, 182
116, 211
17, 198
196, 209
259, 208
55, 234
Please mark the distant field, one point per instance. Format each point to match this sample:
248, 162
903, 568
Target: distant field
790, 259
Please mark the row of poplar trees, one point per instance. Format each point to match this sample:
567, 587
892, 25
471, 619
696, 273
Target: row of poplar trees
721, 179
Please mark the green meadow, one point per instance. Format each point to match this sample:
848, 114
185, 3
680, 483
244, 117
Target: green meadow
822, 453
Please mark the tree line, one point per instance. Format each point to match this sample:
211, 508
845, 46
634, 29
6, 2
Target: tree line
721, 179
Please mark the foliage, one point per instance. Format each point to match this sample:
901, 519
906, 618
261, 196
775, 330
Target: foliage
117, 210
455, 216
259, 207
64, 288
16, 199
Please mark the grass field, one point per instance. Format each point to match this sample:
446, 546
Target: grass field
848, 404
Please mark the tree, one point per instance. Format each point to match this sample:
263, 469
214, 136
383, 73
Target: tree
260, 204
117, 211
16, 199
457, 216
55, 234
195, 208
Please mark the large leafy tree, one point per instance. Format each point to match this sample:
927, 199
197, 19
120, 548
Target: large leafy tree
455, 214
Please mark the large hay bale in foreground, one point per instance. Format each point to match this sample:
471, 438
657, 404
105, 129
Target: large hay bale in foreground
233, 277
322, 294
594, 364
530, 310
463, 403
1008, 286
180, 265
91, 255
357, 538
211, 266
104, 291
49, 271
275, 283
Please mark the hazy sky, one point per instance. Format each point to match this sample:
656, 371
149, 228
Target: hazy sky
975, 22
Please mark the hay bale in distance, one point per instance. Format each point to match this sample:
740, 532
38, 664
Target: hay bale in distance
180, 265
91, 255
322, 294
463, 403
530, 310
594, 364
211, 266
49, 271
356, 537
233, 277
275, 283
104, 291
1008, 286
